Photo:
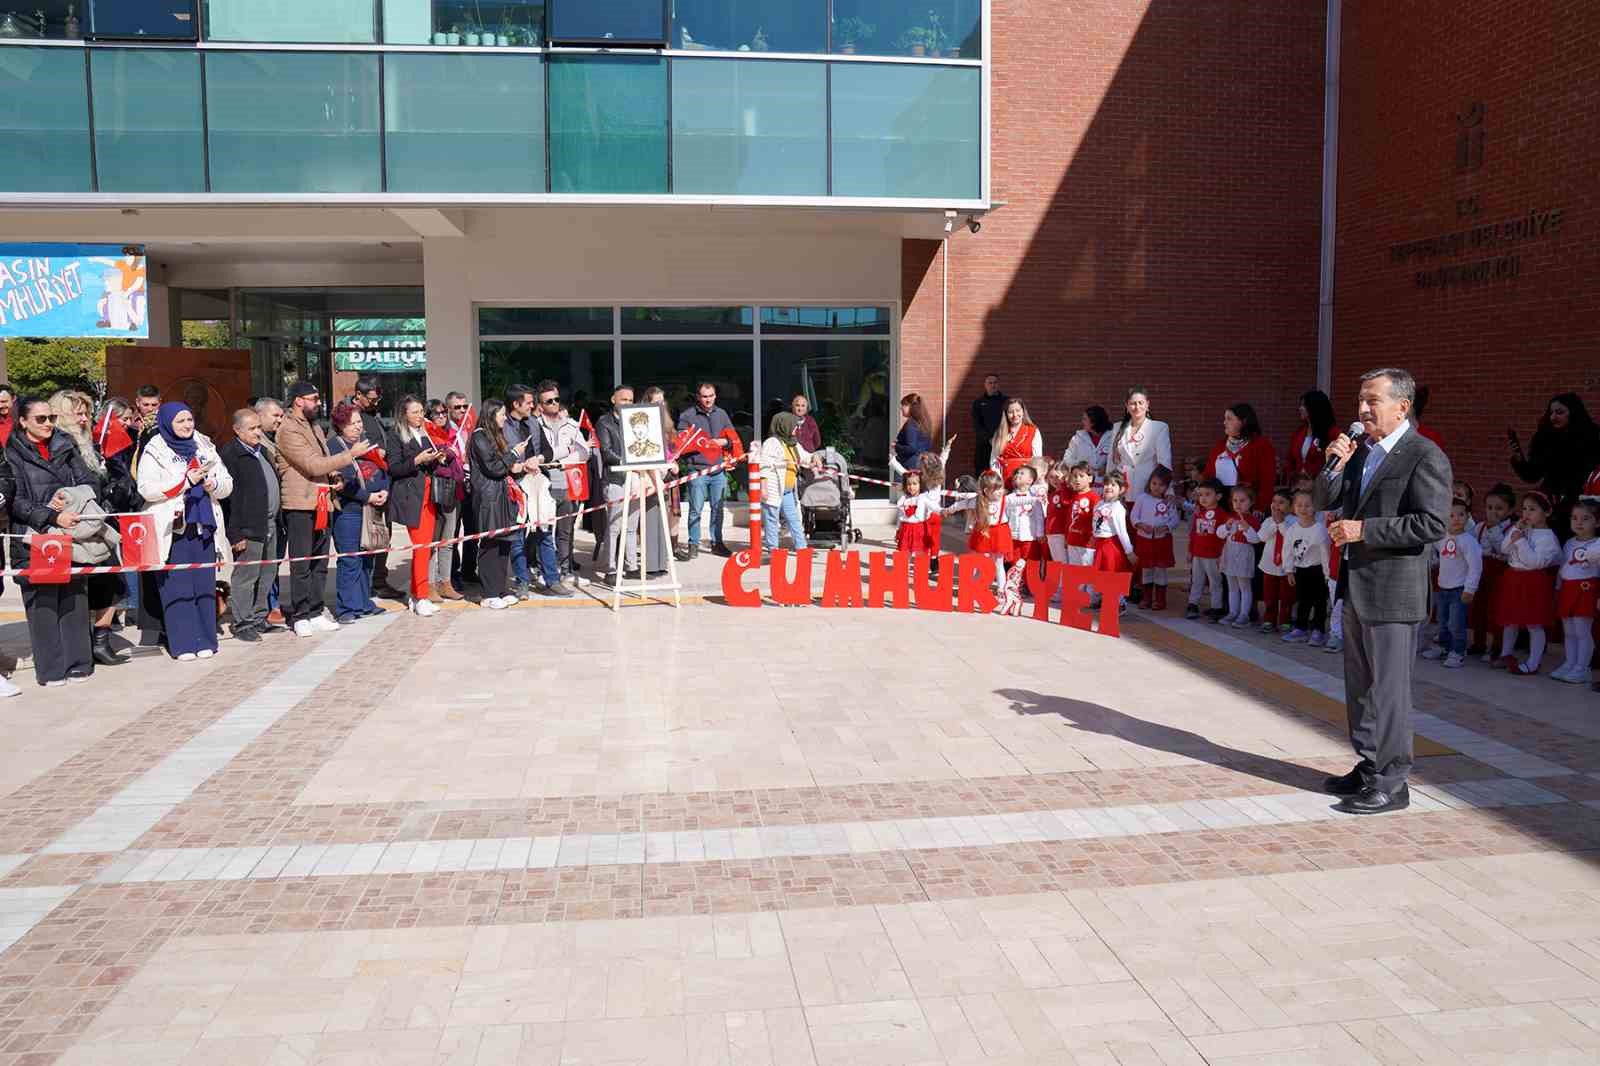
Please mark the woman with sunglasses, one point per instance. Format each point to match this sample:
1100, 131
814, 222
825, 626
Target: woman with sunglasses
41, 462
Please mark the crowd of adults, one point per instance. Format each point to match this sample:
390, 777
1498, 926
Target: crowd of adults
289, 485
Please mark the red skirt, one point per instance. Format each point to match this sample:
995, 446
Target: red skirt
1153, 552
1481, 614
996, 540
1525, 598
1109, 556
911, 537
1025, 551
1575, 599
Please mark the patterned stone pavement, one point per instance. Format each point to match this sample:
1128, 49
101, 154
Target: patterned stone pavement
719, 837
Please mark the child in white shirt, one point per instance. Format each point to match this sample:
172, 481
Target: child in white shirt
1460, 570
1579, 587
1306, 547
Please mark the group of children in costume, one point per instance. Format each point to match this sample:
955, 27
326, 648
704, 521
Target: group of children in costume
1499, 576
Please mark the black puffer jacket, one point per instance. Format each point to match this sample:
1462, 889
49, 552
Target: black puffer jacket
491, 471
31, 481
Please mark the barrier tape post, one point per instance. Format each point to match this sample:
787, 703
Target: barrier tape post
755, 504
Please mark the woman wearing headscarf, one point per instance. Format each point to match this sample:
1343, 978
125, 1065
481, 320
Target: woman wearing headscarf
781, 459
183, 482
41, 462
117, 490
1565, 447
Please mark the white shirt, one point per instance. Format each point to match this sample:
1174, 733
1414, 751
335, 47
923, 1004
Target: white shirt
1492, 538
1533, 549
1460, 562
566, 441
1275, 560
1377, 453
1582, 562
1161, 513
1025, 515
1305, 545
1111, 520
1084, 449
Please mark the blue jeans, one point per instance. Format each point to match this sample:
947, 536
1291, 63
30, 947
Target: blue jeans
705, 490
519, 559
789, 509
1452, 621
542, 543
352, 578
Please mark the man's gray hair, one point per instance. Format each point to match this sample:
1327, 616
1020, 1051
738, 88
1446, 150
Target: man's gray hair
1402, 386
263, 406
243, 413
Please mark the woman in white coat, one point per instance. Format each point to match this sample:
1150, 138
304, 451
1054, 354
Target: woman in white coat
1092, 443
1139, 443
183, 481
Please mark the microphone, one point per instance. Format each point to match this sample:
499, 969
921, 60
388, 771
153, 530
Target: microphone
1332, 469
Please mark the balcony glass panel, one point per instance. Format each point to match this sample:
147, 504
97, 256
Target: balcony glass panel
749, 127
906, 130
750, 25
678, 366
948, 28
464, 123
44, 119
293, 121
582, 368
608, 124
778, 321
621, 21
148, 122
53, 20
309, 21
173, 20
466, 23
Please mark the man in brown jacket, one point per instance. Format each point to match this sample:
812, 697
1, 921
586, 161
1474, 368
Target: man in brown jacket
306, 468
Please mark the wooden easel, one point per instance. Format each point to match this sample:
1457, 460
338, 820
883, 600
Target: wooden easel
642, 481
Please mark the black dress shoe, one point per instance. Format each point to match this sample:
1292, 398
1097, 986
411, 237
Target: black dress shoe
1376, 801
248, 634
102, 651
1348, 785
722, 550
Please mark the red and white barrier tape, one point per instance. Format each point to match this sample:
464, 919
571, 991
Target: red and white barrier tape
86, 571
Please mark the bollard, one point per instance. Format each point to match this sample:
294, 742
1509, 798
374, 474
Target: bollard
755, 505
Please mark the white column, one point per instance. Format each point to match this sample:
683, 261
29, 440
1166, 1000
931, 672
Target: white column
452, 360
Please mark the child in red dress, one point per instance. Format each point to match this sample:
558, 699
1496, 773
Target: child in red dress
1528, 589
911, 515
1155, 514
988, 534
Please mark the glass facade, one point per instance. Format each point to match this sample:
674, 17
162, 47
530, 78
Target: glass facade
464, 123
479, 97
608, 124
759, 358
745, 127
292, 21
149, 132
947, 28
904, 130
293, 122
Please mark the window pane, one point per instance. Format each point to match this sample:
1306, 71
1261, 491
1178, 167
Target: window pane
293, 121
464, 123
909, 27
678, 366
756, 25
583, 368
825, 320
148, 133
48, 19
498, 22
606, 20
688, 319
313, 21
44, 119
905, 130
608, 124
501, 321
163, 19
846, 384
750, 127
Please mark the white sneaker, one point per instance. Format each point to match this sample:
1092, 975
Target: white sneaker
1334, 644
1295, 636
61, 683
303, 628
423, 608
204, 653
323, 624
8, 689
1434, 652
187, 657
499, 603
1454, 661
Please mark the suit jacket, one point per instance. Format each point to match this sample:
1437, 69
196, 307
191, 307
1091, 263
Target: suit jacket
1404, 511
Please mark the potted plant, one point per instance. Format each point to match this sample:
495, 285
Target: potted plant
916, 40
850, 30
937, 38
473, 35
453, 38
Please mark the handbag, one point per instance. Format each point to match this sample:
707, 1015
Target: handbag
374, 528
442, 491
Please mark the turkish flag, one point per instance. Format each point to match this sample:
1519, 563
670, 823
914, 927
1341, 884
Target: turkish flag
139, 545
112, 435
49, 558
692, 439
588, 428
577, 482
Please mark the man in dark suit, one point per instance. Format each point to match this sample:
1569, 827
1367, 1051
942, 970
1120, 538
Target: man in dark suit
1393, 495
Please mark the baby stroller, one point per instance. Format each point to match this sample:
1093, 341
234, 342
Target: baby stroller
825, 502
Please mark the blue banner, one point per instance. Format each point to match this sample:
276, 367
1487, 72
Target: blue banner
73, 290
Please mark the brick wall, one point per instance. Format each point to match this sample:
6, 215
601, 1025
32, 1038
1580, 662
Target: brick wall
1493, 352
1161, 167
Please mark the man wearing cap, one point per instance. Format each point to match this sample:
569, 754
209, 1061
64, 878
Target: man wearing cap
305, 466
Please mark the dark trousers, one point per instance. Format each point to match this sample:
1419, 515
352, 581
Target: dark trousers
566, 526
253, 584
308, 581
58, 627
464, 567
985, 451
189, 597
494, 560
1377, 684
1310, 598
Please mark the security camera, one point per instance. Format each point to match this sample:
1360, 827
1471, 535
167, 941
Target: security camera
974, 225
